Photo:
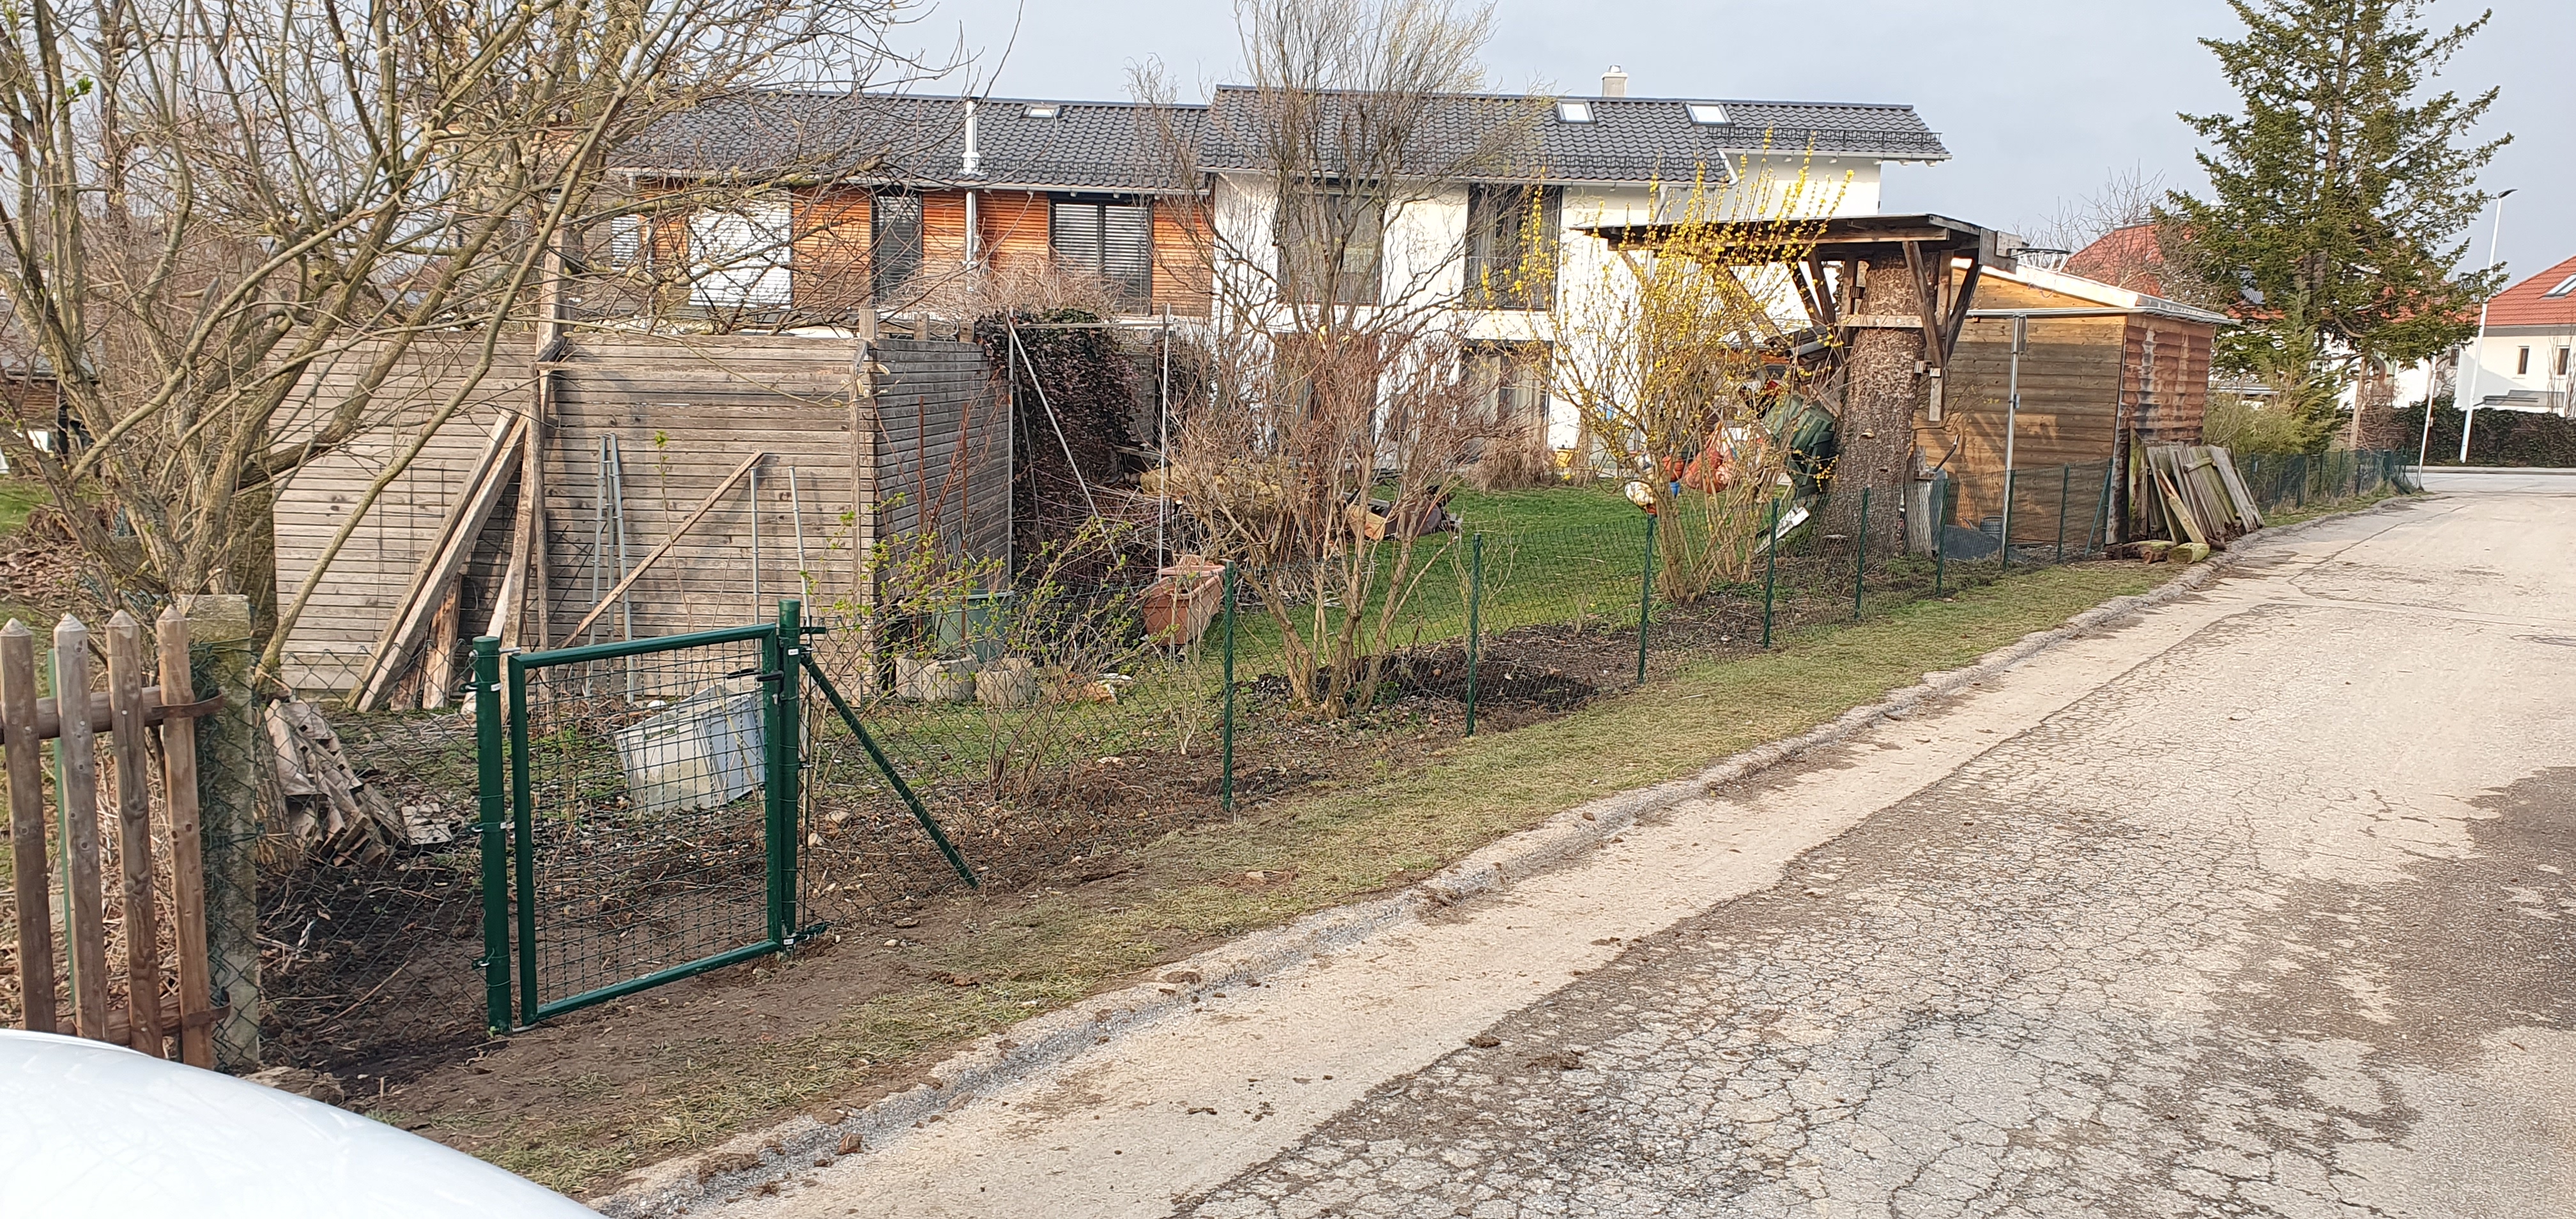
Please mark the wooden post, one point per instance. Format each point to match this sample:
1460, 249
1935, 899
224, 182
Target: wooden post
27, 826
864, 429
76, 796
187, 847
438, 664
134, 834
228, 745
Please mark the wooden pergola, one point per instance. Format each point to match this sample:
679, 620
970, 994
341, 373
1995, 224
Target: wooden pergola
1891, 295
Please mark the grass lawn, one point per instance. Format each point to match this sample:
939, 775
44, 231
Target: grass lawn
18, 497
1048, 947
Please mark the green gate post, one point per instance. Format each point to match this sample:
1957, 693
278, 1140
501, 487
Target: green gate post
1770, 570
781, 652
1860, 554
1475, 599
493, 792
1226, 800
1646, 597
523, 838
1940, 530
2065, 487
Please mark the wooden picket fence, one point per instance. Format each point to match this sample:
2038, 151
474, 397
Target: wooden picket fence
127, 710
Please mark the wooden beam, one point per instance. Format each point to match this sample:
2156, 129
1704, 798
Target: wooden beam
1824, 288
32, 875
187, 851
704, 506
465, 521
1927, 300
1959, 308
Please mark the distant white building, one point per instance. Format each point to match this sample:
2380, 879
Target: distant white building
2526, 362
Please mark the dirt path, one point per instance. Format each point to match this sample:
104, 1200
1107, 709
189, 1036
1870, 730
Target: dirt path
2133, 928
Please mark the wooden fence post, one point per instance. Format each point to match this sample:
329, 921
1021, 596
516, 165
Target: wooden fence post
134, 834
228, 745
26, 762
76, 796
187, 845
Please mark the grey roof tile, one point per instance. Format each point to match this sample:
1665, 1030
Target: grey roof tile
1119, 146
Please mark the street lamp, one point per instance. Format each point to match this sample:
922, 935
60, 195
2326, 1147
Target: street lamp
2468, 401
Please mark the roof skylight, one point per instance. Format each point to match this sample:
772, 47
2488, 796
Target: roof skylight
1574, 112
1707, 114
2564, 287
1046, 110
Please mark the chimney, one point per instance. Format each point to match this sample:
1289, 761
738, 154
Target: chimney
972, 164
1614, 83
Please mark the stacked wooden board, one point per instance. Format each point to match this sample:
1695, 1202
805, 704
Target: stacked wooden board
2192, 493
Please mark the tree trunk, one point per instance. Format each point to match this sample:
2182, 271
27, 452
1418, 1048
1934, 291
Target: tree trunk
1880, 394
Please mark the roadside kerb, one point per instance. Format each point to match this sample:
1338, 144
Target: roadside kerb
1041, 1043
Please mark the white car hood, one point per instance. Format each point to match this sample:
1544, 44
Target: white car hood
88, 1128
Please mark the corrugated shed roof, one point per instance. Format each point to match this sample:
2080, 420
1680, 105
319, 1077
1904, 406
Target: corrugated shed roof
1628, 139
2529, 303
1110, 146
1119, 146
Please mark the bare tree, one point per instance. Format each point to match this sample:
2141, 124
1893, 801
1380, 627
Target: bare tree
1342, 415
206, 203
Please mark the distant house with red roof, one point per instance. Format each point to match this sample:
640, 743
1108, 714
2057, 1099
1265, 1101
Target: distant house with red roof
2528, 356
2131, 257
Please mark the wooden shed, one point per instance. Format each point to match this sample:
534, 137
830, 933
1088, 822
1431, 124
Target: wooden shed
661, 431
2103, 368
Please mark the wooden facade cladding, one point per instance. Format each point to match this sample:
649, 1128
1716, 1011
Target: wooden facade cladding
830, 263
685, 411
1184, 276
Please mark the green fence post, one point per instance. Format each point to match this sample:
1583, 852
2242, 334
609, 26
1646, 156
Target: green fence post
2065, 487
1646, 597
2101, 527
787, 750
2302, 476
1860, 555
2005, 550
1475, 597
1226, 789
493, 798
1770, 570
1940, 530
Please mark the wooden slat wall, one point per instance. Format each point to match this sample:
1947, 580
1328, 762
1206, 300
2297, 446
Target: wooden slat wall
946, 453
341, 624
2167, 372
1182, 278
1012, 227
2070, 382
686, 410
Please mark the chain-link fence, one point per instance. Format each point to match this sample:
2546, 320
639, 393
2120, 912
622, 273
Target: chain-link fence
2297, 480
1048, 724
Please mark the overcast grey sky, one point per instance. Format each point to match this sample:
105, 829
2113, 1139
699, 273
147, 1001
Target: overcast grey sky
2038, 100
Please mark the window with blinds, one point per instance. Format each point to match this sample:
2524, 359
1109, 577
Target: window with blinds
1113, 240
894, 242
741, 256
1511, 246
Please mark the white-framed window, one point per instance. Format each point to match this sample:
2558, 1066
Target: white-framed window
2522, 362
1574, 112
741, 256
1708, 114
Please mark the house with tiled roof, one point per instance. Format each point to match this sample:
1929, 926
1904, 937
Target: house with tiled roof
2527, 359
871, 201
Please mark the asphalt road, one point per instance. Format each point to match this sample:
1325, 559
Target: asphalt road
2257, 904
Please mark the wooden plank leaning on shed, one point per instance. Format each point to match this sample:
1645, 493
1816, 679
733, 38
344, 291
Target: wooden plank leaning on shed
573, 636
455, 544
127, 709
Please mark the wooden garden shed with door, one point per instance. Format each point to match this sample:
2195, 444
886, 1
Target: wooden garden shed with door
2102, 369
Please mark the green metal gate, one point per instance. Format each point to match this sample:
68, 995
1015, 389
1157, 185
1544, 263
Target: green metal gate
639, 809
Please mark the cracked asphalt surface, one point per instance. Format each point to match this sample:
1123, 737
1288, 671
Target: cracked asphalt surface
2229, 935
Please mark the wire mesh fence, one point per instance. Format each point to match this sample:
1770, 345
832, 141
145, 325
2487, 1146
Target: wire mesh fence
2298, 480
1049, 725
